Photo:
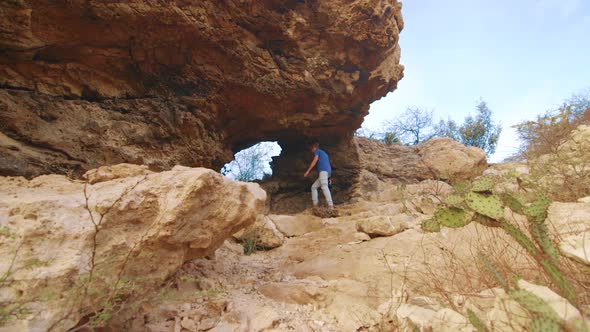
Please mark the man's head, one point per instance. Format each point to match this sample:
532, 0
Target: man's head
315, 144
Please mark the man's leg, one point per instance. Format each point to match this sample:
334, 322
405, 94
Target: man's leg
314, 191
325, 188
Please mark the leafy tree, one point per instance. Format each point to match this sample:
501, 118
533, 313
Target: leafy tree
415, 126
390, 138
579, 104
448, 128
481, 131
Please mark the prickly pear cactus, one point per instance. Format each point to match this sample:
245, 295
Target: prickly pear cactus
542, 324
565, 287
513, 202
483, 185
488, 205
534, 304
521, 238
491, 269
537, 211
462, 188
577, 325
541, 235
454, 200
430, 225
486, 221
475, 321
452, 217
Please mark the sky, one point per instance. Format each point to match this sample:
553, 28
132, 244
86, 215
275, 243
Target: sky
522, 57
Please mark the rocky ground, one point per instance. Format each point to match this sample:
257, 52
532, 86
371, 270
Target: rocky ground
128, 249
370, 269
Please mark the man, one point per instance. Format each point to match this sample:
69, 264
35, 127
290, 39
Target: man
322, 161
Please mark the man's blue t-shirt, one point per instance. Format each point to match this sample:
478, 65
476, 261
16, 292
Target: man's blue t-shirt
323, 164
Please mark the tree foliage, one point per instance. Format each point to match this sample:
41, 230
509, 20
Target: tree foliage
250, 164
481, 131
448, 128
416, 125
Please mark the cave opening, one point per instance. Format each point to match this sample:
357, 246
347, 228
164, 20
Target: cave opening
252, 163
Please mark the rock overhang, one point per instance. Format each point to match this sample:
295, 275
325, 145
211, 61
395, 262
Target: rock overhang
187, 82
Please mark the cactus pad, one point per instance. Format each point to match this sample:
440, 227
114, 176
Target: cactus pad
537, 211
483, 185
454, 200
486, 221
542, 324
488, 205
565, 287
462, 188
521, 238
534, 304
430, 225
475, 321
452, 217
541, 236
513, 202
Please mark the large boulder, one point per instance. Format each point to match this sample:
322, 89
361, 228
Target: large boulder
385, 170
72, 249
384, 225
399, 162
451, 160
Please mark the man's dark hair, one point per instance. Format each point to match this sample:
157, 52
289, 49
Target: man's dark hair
314, 142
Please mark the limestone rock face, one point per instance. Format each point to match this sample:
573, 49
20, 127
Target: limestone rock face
84, 84
571, 225
392, 161
106, 173
383, 168
69, 247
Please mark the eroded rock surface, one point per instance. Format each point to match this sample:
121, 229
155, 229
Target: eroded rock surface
70, 249
571, 226
85, 84
331, 279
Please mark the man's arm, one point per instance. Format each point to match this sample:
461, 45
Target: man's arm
313, 162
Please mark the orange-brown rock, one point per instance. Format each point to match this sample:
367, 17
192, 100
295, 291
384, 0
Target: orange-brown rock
91, 83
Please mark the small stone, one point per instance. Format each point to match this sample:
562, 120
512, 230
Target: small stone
207, 324
189, 324
177, 325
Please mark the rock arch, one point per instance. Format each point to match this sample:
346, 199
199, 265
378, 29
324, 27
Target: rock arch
188, 82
